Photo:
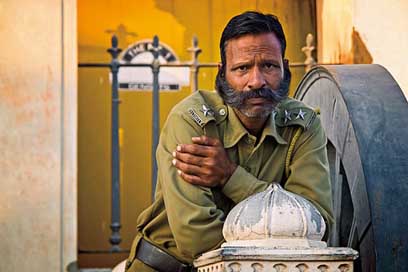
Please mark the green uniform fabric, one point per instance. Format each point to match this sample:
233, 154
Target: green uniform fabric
186, 220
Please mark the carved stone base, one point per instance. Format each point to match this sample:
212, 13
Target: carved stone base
267, 266
257, 259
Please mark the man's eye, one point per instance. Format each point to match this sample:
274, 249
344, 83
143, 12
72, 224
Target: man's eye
271, 66
242, 68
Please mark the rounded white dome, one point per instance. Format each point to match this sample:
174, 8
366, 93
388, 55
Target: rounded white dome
274, 214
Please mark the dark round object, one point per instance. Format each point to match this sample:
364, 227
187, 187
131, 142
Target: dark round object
365, 116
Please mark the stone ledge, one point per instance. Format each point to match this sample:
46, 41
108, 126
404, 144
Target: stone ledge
223, 254
95, 270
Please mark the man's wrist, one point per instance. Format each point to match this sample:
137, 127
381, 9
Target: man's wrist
230, 171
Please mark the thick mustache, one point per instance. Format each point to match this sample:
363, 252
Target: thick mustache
238, 98
265, 93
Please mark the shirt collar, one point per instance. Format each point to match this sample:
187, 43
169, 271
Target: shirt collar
234, 130
270, 130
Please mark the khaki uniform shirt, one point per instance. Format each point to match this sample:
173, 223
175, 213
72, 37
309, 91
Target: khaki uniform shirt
186, 220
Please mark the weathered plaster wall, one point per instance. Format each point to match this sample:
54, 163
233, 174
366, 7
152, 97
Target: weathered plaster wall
365, 31
334, 26
37, 135
383, 26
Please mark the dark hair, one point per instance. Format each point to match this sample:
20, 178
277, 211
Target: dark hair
251, 22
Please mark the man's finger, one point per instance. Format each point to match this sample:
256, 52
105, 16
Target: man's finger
189, 158
194, 149
206, 140
187, 168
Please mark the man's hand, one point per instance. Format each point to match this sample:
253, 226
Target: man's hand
204, 163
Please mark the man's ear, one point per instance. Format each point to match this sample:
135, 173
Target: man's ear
285, 64
288, 74
220, 69
286, 68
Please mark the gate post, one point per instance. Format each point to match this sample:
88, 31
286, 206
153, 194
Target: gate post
115, 208
156, 109
195, 51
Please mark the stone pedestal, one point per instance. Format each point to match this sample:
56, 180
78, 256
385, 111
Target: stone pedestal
275, 231
259, 259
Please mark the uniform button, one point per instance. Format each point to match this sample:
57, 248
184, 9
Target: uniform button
222, 112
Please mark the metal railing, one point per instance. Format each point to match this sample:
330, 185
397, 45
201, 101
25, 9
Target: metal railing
194, 65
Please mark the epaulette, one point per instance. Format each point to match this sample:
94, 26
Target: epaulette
294, 113
205, 107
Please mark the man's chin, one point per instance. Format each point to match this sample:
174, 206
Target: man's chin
257, 101
256, 113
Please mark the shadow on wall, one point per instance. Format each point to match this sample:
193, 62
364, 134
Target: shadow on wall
360, 53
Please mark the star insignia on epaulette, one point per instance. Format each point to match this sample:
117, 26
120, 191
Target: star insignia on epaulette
301, 115
287, 116
207, 111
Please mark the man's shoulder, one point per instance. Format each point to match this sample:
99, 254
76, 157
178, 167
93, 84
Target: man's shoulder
201, 107
292, 112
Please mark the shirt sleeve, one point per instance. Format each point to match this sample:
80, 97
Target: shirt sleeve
194, 219
243, 184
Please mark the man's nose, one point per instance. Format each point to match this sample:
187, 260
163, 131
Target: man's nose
256, 79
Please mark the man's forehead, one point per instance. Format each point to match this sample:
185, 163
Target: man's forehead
246, 45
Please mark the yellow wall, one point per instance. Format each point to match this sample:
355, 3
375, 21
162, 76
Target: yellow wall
175, 22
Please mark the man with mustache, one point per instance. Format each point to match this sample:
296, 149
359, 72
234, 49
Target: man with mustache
218, 148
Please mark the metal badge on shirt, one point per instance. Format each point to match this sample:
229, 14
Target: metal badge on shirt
196, 117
